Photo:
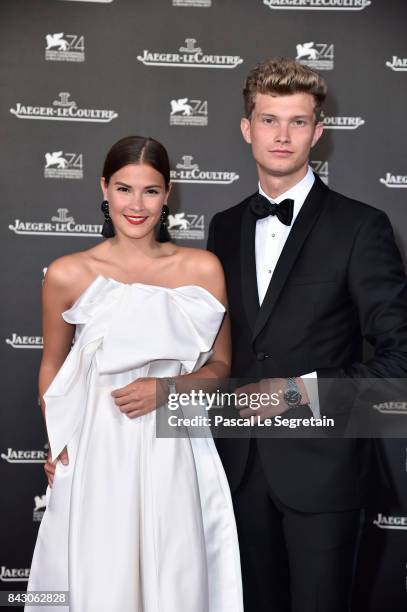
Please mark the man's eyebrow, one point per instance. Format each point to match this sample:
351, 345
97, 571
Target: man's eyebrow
304, 116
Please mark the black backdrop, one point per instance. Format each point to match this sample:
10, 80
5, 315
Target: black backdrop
76, 75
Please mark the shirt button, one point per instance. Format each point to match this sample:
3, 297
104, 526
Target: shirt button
269, 271
273, 235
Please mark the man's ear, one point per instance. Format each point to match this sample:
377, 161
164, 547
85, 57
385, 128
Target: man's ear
246, 129
319, 128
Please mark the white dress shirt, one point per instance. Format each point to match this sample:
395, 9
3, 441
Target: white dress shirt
271, 236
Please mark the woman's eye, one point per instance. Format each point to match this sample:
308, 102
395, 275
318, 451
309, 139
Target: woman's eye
152, 191
124, 189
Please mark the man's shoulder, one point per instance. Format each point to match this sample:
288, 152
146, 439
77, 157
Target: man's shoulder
353, 207
233, 212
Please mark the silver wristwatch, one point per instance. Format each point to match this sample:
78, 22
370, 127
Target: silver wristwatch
292, 395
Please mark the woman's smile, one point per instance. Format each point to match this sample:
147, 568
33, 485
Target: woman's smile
135, 219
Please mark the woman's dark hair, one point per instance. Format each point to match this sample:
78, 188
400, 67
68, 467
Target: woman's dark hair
137, 150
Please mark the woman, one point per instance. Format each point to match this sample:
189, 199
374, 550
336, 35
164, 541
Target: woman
134, 522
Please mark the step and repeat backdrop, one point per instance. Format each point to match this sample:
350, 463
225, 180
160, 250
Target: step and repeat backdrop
77, 75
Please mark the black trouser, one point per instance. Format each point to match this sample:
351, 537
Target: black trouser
292, 561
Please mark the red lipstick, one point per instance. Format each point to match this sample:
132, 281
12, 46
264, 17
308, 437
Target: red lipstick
135, 219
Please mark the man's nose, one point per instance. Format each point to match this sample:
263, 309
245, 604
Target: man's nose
283, 133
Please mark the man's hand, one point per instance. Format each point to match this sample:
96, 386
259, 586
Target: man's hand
266, 397
49, 465
138, 397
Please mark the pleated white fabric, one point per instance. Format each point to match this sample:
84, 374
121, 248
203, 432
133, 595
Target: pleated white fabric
134, 523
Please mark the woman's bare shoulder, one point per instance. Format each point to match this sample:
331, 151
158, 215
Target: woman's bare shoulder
70, 274
203, 268
66, 269
199, 260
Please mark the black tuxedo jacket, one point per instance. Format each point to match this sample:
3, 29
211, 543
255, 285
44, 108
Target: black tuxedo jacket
339, 279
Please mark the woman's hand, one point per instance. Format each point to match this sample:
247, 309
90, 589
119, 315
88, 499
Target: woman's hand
139, 397
49, 466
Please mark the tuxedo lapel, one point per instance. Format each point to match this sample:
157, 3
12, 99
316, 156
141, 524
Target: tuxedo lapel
248, 278
303, 224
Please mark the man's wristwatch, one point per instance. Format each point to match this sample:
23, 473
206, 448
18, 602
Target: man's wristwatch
292, 395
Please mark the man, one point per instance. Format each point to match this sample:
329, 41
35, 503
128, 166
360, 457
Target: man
309, 273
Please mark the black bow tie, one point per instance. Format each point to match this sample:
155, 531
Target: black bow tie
261, 207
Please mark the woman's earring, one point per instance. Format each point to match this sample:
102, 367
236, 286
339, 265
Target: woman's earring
107, 229
163, 233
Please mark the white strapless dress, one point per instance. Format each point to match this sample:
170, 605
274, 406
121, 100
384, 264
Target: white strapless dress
134, 522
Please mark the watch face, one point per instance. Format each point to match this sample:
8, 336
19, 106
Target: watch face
292, 397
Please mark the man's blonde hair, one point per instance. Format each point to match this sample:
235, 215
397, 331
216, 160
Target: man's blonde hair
280, 76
